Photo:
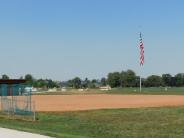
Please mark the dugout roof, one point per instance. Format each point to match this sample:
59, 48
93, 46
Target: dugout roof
12, 81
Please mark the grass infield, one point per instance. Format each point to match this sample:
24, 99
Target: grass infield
116, 123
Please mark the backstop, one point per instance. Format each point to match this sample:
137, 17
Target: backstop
16, 102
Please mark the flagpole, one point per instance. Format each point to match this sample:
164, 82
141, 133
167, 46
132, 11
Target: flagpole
140, 81
140, 84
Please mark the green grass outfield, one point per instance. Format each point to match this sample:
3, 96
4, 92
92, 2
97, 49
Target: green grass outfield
152, 91
165, 122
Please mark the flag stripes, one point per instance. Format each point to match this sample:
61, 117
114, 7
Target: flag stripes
141, 51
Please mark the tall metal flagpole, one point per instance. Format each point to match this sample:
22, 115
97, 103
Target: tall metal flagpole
140, 84
141, 58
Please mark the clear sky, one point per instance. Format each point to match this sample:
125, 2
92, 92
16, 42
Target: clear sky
61, 39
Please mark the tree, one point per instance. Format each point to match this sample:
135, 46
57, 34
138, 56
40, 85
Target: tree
51, 84
21, 78
103, 82
123, 81
114, 79
85, 83
5, 77
41, 83
130, 78
70, 83
34, 84
76, 82
28, 77
179, 79
94, 83
173, 81
167, 79
63, 84
153, 81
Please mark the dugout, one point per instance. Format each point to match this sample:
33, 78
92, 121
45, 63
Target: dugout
15, 100
13, 87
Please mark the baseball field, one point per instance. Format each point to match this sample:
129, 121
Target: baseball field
105, 115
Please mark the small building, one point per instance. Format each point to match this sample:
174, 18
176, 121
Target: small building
63, 89
105, 88
30, 89
52, 90
80, 90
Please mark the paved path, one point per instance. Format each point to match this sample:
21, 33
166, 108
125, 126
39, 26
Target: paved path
9, 133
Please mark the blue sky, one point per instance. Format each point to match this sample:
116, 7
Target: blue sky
61, 39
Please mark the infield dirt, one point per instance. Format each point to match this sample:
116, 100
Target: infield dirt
48, 103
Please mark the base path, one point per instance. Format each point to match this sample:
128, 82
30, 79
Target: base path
103, 101
9, 133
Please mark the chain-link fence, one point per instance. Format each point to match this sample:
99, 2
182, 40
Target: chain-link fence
16, 102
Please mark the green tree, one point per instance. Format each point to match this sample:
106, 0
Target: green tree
123, 81
42, 83
130, 78
103, 82
76, 82
52, 84
5, 77
114, 79
173, 81
153, 81
21, 78
93, 83
70, 83
85, 83
179, 79
29, 79
167, 79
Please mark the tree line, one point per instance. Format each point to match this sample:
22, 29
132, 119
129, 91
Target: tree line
130, 79
37, 83
86, 83
126, 78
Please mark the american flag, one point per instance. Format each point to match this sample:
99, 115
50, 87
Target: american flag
141, 51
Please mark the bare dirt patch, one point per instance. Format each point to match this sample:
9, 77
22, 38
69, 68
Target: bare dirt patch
103, 101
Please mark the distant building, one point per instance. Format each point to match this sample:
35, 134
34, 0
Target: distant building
105, 88
80, 90
63, 89
52, 90
30, 89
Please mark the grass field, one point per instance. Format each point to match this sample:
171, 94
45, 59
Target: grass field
117, 123
153, 91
